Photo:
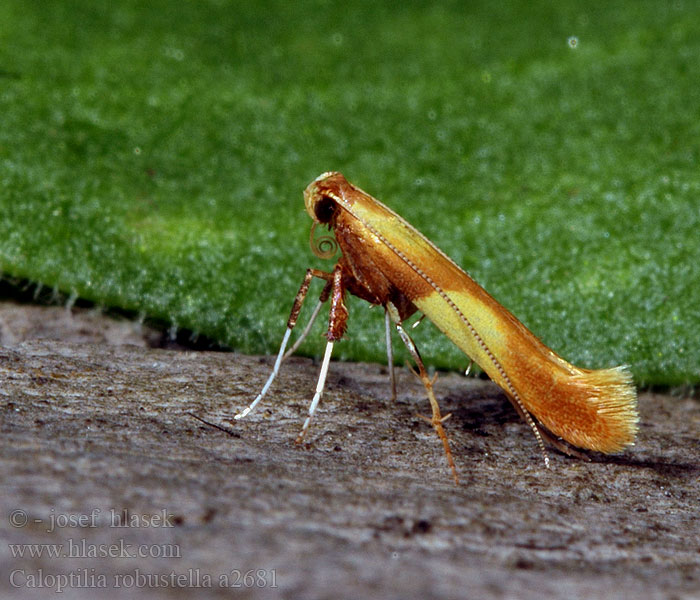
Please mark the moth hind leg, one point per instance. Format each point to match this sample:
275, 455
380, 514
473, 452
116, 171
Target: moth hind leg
390, 355
437, 419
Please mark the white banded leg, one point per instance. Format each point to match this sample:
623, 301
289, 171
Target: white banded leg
337, 322
307, 329
270, 379
296, 309
390, 354
319, 390
469, 368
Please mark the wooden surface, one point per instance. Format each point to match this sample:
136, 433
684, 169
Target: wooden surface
367, 508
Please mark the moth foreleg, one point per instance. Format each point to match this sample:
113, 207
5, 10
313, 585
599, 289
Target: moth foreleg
337, 323
319, 390
312, 319
291, 323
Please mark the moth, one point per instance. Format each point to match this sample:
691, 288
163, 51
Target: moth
387, 262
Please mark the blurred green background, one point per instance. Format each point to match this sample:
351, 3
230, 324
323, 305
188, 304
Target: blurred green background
153, 157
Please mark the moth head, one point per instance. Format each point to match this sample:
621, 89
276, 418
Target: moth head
321, 197
322, 201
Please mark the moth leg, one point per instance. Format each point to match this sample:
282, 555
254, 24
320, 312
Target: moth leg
317, 309
291, 323
418, 321
390, 354
337, 323
319, 390
469, 368
437, 419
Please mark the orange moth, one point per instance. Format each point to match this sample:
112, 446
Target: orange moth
387, 262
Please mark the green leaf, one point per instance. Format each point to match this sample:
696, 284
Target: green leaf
153, 156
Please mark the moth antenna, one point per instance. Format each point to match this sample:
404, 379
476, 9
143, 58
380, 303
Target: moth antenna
525, 415
540, 442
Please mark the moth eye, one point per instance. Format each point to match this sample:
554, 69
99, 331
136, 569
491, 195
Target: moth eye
325, 209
